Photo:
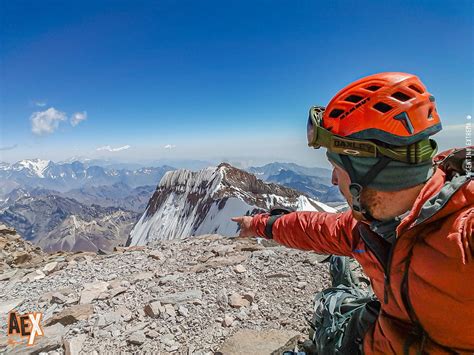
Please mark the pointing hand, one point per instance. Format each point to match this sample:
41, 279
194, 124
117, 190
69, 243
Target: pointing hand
246, 229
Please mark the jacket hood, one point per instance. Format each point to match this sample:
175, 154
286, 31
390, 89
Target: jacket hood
444, 194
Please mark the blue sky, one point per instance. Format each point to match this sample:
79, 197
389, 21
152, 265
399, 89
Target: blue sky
212, 80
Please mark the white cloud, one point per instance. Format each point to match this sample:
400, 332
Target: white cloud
169, 146
40, 103
78, 117
46, 122
110, 149
11, 147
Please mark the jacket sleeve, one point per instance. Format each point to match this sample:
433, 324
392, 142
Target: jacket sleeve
323, 232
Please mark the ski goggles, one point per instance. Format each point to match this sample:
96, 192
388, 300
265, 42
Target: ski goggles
318, 137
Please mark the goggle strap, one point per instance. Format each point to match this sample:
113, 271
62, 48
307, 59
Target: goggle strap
348, 167
414, 153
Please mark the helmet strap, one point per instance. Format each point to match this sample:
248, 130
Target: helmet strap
357, 184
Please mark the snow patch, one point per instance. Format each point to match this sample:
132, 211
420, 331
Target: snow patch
35, 166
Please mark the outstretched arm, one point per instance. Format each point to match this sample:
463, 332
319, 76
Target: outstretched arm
323, 232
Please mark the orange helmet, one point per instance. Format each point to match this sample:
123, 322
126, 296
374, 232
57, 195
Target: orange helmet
394, 108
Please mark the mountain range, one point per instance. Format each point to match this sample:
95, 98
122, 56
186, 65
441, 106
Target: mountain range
76, 206
37, 173
57, 223
315, 182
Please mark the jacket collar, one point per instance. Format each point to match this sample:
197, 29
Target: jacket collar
439, 198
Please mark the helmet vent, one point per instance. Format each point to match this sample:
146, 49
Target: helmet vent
353, 98
382, 107
336, 113
373, 87
400, 96
430, 114
416, 88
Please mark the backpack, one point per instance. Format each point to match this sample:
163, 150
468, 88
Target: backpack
343, 313
456, 161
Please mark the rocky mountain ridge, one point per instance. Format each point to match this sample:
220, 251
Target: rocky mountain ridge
189, 203
203, 295
58, 223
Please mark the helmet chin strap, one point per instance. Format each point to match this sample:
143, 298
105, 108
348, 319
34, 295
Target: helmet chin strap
358, 183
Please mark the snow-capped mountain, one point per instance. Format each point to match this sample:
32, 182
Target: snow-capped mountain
37, 173
189, 203
35, 167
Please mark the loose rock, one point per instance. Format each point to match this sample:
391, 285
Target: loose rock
72, 314
153, 309
237, 301
92, 291
240, 269
74, 345
51, 267
137, 338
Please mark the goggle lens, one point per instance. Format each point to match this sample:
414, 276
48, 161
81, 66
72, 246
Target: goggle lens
315, 118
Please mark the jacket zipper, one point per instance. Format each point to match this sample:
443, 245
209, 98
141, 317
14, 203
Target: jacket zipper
386, 278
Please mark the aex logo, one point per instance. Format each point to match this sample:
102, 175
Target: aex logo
26, 325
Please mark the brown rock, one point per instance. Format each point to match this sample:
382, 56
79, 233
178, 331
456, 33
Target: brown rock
169, 310
240, 269
51, 267
152, 334
57, 297
35, 275
7, 306
74, 346
190, 296
72, 314
137, 338
21, 257
249, 296
51, 340
220, 261
145, 275
155, 254
153, 309
255, 342
92, 291
237, 301
228, 320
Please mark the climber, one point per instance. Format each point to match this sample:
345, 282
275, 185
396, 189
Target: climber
410, 224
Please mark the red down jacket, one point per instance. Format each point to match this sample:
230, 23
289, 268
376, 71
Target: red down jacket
427, 290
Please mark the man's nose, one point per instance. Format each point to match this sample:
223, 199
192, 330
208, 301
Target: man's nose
334, 177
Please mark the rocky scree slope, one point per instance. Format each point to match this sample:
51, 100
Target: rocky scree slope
200, 295
188, 203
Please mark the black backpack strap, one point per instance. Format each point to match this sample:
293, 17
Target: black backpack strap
456, 162
275, 213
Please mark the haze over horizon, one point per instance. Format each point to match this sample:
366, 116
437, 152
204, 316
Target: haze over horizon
210, 81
